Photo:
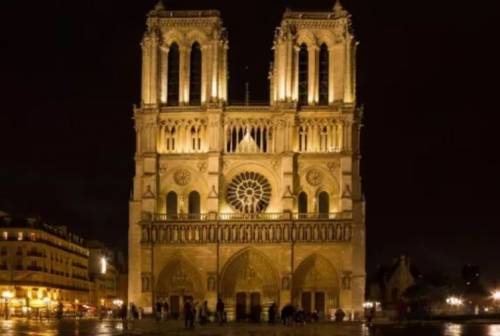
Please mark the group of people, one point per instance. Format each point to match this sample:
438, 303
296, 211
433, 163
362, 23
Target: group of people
193, 310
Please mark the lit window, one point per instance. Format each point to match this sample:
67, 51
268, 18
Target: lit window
19, 236
5, 235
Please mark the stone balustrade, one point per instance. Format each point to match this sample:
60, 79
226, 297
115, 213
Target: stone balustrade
227, 232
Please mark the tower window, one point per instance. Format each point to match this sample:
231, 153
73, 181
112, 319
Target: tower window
323, 75
171, 205
194, 203
303, 74
324, 204
173, 75
302, 203
195, 75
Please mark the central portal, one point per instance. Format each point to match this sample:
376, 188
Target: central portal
249, 285
248, 306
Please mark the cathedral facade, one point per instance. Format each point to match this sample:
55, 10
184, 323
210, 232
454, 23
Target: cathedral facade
251, 204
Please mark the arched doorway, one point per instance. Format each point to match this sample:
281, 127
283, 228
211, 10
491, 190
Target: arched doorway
249, 285
324, 204
302, 204
178, 282
316, 285
171, 205
194, 204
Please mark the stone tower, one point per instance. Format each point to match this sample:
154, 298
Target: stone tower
252, 204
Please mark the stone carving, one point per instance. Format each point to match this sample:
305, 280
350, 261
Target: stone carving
314, 177
202, 166
211, 283
213, 193
182, 177
249, 192
347, 191
149, 193
163, 168
285, 283
332, 166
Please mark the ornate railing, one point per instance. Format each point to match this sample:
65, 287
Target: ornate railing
279, 216
249, 232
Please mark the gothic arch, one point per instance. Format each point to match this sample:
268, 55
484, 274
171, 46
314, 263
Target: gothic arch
196, 36
180, 277
249, 270
308, 39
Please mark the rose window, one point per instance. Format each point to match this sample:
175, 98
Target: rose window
249, 192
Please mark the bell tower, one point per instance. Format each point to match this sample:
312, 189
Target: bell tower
314, 58
184, 58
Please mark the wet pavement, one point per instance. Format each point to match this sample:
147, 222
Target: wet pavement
149, 327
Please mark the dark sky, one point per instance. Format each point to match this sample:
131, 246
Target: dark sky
427, 76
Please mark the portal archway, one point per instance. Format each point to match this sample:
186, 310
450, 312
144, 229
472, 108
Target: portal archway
249, 285
316, 285
177, 282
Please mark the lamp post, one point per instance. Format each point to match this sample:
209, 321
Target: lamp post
7, 295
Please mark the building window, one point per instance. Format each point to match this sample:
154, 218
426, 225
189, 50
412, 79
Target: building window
173, 75
171, 204
323, 139
195, 75
194, 203
171, 139
195, 139
302, 206
303, 74
303, 139
324, 204
323, 75
5, 235
20, 236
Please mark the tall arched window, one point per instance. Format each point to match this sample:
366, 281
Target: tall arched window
302, 206
173, 75
194, 203
195, 139
324, 204
170, 134
323, 75
303, 139
195, 75
171, 205
303, 74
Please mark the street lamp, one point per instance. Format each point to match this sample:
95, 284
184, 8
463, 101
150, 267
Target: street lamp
7, 295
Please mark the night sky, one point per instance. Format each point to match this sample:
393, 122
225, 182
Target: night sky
427, 75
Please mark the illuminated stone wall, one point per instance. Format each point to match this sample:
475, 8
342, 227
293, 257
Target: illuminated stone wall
248, 203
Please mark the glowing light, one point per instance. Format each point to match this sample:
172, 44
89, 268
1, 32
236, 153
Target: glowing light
496, 295
7, 294
454, 301
117, 302
104, 265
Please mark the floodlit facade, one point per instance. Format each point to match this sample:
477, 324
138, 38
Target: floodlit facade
252, 204
41, 266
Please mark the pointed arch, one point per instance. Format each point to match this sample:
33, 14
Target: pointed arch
323, 204
250, 270
195, 74
173, 74
179, 277
194, 203
303, 74
172, 204
324, 56
302, 203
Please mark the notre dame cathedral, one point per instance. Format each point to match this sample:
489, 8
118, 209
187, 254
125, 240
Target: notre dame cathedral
251, 204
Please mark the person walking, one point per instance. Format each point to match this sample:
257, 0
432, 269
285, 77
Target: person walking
158, 308
220, 311
204, 313
272, 313
188, 314
166, 309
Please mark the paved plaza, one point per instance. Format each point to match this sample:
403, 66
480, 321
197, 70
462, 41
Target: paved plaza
150, 327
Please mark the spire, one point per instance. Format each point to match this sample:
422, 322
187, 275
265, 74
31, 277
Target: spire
339, 10
158, 9
159, 6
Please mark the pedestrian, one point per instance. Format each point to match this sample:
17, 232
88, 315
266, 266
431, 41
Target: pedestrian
165, 310
158, 308
204, 313
188, 312
272, 313
339, 315
134, 312
220, 311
